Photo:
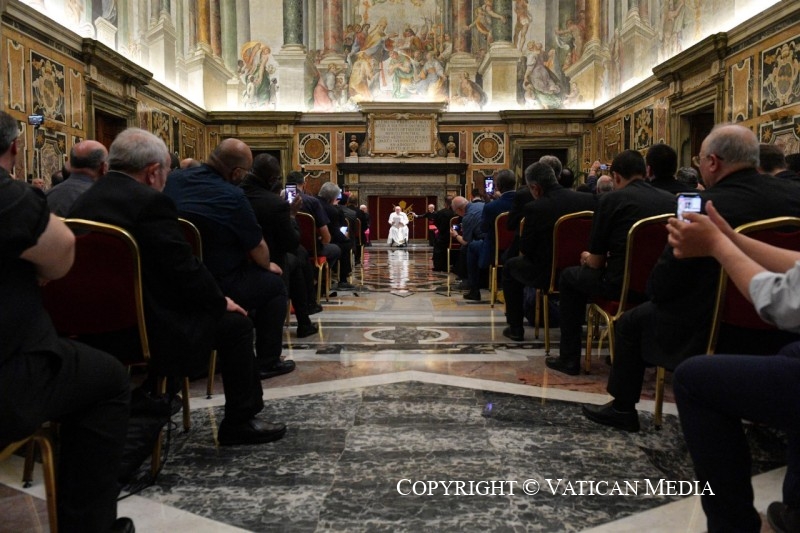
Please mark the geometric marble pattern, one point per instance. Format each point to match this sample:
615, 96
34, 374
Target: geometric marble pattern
339, 465
398, 388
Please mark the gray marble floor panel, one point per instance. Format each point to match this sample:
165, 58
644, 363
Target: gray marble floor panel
339, 466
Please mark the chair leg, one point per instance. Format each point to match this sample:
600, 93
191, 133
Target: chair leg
590, 325
212, 370
27, 471
492, 285
49, 475
187, 419
448, 272
657, 415
537, 313
546, 311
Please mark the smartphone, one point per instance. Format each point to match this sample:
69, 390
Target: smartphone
343, 229
489, 184
291, 192
457, 227
689, 202
603, 167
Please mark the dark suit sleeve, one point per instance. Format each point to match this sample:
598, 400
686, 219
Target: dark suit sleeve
169, 256
288, 236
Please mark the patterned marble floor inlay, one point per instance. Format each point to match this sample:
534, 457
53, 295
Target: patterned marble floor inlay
399, 271
365, 459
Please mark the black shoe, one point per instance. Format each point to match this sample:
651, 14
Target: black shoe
782, 519
306, 330
515, 334
608, 416
123, 525
561, 364
474, 295
314, 308
464, 285
254, 431
344, 286
276, 369
145, 403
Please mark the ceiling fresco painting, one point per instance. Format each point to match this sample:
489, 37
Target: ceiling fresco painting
566, 53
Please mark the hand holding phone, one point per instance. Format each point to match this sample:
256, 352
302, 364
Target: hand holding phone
689, 202
291, 192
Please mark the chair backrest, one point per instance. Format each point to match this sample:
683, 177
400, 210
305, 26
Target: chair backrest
731, 307
192, 236
570, 237
102, 292
454, 244
503, 237
308, 233
647, 239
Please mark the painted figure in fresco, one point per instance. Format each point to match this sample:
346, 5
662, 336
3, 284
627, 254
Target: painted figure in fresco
522, 23
540, 83
324, 90
482, 20
256, 63
401, 72
446, 49
359, 38
574, 37
375, 44
470, 94
432, 80
672, 21
361, 78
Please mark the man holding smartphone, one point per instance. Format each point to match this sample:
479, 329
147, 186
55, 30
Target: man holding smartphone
675, 323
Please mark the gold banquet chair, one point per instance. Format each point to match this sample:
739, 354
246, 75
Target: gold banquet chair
646, 241
730, 306
503, 238
102, 293
40, 438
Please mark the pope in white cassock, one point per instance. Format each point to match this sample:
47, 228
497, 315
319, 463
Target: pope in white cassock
398, 233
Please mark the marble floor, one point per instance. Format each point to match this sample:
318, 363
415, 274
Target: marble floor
404, 384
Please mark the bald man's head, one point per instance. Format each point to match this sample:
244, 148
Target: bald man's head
89, 158
232, 159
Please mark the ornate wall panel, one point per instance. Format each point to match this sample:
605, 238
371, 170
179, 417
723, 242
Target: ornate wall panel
780, 76
48, 87
488, 148
76, 99
740, 87
643, 129
314, 148
784, 133
15, 75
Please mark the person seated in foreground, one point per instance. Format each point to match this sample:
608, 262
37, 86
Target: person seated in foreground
603, 264
532, 267
46, 378
715, 393
338, 229
234, 249
276, 218
662, 163
186, 312
676, 322
480, 252
398, 228
87, 162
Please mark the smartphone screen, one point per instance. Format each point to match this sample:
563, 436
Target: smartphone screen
489, 183
343, 229
456, 227
689, 203
291, 192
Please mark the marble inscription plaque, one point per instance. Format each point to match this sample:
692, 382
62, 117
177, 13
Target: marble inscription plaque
402, 134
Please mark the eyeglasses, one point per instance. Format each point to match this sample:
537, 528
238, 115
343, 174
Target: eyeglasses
698, 158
